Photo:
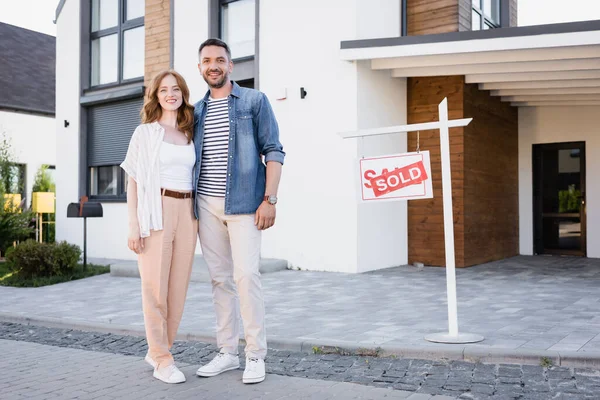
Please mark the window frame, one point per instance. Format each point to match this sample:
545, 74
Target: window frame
121, 178
122, 26
220, 29
215, 30
483, 18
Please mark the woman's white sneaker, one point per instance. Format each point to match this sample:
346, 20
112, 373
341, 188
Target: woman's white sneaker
221, 363
255, 370
169, 374
150, 361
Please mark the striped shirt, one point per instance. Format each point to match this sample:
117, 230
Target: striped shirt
213, 174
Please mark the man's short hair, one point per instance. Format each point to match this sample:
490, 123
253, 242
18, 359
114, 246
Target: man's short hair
215, 42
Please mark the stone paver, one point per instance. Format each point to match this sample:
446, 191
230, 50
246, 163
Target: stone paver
79, 360
34, 371
522, 303
530, 303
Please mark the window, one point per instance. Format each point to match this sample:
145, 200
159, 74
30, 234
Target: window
108, 181
236, 22
485, 14
110, 128
117, 41
13, 179
238, 27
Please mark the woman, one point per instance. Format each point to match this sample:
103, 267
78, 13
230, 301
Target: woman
162, 226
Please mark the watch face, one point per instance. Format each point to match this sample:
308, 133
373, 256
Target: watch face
273, 199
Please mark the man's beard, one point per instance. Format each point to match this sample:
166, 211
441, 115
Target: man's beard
220, 83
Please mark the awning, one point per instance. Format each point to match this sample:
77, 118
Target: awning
543, 65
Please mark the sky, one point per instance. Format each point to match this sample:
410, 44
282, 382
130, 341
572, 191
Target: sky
38, 15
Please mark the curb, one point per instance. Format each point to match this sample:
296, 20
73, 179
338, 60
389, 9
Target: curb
571, 359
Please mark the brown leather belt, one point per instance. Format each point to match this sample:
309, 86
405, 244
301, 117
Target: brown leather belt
177, 195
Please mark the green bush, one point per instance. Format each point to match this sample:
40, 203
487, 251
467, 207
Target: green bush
33, 259
64, 257
14, 226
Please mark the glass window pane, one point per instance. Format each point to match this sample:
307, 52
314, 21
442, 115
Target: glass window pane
104, 60
135, 9
475, 21
125, 179
133, 53
491, 8
105, 14
477, 3
103, 181
238, 27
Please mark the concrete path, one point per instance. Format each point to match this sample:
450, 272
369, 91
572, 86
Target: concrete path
32, 371
525, 307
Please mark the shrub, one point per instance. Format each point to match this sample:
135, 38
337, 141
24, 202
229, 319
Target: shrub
14, 226
33, 259
30, 259
64, 257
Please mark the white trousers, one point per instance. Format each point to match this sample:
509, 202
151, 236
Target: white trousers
231, 247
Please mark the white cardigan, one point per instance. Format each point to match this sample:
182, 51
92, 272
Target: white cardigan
142, 164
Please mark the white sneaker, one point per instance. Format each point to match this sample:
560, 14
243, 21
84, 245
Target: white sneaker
221, 363
150, 361
255, 370
169, 374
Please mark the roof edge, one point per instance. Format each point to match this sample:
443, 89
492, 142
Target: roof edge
568, 27
59, 8
36, 111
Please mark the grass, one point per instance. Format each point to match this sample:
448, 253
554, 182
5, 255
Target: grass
7, 278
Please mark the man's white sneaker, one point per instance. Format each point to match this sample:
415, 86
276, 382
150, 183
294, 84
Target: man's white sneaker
150, 361
255, 370
169, 374
221, 363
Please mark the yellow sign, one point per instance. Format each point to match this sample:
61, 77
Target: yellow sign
43, 202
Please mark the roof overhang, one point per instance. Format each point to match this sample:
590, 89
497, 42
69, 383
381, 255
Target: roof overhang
556, 64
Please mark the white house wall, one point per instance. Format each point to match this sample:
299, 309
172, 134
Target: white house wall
539, 125
320, 226
382, 227
67, 139
33, 142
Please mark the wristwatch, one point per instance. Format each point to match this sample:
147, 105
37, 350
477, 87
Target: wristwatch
271, 199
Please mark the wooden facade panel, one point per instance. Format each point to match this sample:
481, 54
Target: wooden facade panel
464, 15
157, 21
425, 217
491, 178
514, 21
426, 17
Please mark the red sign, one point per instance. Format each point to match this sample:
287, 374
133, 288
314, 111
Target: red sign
396, 177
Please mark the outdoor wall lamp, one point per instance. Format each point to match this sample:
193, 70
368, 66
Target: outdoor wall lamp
66, 123
302, 93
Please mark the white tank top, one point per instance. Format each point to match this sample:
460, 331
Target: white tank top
176, 166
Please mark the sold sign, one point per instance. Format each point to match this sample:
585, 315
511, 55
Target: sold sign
396, 177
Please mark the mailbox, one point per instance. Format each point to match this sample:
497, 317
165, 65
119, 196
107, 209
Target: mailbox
85, 210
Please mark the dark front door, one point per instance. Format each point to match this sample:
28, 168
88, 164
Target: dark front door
559, 198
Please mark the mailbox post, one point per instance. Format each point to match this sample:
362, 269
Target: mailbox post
85, 210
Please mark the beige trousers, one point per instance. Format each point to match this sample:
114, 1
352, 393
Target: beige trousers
165, 267
231, 247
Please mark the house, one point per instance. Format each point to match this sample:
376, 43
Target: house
522, 171
27, 104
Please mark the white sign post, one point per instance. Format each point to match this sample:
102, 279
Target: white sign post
453, 336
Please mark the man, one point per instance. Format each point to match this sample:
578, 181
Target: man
235, 201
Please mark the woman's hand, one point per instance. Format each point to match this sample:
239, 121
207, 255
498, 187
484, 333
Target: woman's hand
135, 243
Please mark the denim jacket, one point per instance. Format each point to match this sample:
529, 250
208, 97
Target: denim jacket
253, 132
